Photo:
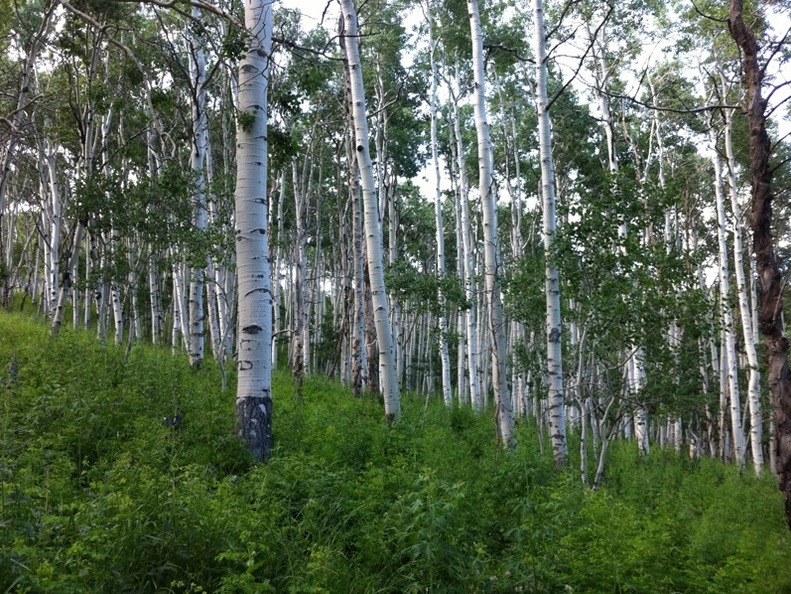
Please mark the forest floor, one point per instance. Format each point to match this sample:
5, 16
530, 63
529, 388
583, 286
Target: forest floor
121, 473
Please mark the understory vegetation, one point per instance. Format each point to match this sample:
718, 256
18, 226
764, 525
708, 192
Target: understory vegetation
120, 472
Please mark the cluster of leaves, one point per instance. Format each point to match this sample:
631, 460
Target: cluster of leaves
103, 488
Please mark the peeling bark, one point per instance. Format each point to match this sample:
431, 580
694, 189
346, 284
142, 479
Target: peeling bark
770, 305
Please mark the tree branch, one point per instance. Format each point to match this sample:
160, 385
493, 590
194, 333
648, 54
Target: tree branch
706, 16
701, 109
593, 38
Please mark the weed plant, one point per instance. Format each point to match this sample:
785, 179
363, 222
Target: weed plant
122, 474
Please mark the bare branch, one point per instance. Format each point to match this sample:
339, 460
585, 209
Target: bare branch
773, 91
706, 16
593, 38
689, 110
778, 46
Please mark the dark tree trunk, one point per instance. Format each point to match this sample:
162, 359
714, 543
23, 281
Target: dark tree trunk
770, 305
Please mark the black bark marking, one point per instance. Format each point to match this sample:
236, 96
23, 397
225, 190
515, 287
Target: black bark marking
254, 424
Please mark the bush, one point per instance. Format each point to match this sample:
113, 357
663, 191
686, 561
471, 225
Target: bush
122, 474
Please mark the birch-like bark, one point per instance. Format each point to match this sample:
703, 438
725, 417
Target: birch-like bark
358, 349
23, 96
557, 419
254, 377
179, 325
381, 308
278, 264
462, 385
55, 212
197, 66
447, 394
732, 371
155, 301
115, 289
470, 317
359, 354
748, 334
636, 382
502, 397
300, 313
57, 318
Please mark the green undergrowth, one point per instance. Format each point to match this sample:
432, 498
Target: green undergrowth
122, 474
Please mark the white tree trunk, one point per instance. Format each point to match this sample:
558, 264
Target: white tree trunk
278, 265
502, 396
557, 420
729, 355
470, 316
636, 382
57, 318
447, 394
748, 333
55, 219
301, 313
179, 325
359, 354
254, 379
384, 335
197, 65
22, 99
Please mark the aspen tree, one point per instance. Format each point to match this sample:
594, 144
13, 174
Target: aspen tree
635, 369
26, 79
54, 213
746, 312
254, 337
443, 316
470, 316
359, 354
557, 418
358, 351
373, 232
301, 313
197, 69
496, 319
277, 263
731, 367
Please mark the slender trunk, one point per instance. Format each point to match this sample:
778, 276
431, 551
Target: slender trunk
57, 318
470, 317
443, 317
55, 224
384, 335
754, 386
732, 369
197, 64
557, 420
359, 354
278, 263
502, 397
300, 314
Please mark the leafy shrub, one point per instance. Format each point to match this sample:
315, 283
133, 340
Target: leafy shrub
122, 474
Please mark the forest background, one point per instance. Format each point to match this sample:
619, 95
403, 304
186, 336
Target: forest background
232, 182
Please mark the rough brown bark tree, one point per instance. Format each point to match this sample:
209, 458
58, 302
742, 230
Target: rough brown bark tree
770, 304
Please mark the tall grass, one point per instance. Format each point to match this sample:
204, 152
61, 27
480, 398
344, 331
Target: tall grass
122, 474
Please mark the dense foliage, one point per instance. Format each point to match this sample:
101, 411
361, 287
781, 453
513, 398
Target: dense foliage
119, 473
